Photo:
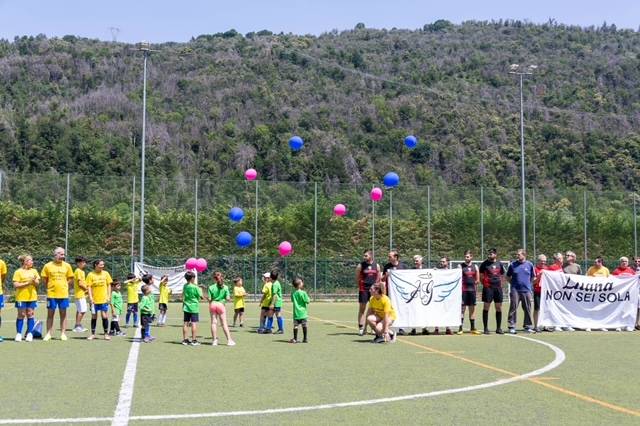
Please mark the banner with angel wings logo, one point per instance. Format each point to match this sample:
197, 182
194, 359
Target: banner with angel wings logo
426, 297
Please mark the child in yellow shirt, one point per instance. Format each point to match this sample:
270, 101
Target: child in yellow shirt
238, 301
163, 300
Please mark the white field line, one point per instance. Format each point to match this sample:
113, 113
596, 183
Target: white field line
121, 415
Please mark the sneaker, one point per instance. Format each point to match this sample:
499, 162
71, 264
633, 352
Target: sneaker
618, 329
588, 330
29, 338
378, 339
529, 330
401, 332
305, 341
425, 332
486, 331
638, 327
186, 342
392, 337
361, 332
18, 338
75, 329
279, 332
64, 337
569, 329
151, 338
459, 332
499, 331
194, 343
413, 332
538, 330
231, 343
215, 342
91, 337
603, 329
146, 340
512, 330
476, 331
46, 337
1, 339
107, 337
293, 341
448, 332
625, 329
121, 334
83, 330
557, 329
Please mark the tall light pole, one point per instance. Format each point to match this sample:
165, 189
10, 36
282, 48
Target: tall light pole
145, 48
521, 72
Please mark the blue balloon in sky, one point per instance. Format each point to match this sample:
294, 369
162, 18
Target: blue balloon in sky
244, 239
411, 141
236, 214
295, 143
391, 180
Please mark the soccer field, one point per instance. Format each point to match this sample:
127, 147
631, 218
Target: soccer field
339, 377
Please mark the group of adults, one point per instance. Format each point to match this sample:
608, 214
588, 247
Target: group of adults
522, 275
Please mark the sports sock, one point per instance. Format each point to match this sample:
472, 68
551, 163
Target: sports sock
112, 327
461, 324
94, 321
105, 325
295, 333
485, 319
126, 318
280, 323
269, 323
31, 322
19, 325
304, 332
473, 324
498, 319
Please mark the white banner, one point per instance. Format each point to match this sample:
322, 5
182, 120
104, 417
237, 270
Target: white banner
175, 273
426, 297
587, 302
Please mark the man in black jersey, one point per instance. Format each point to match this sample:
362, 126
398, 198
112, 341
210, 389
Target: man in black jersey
367, 274
470, 278
394, 263
492, 274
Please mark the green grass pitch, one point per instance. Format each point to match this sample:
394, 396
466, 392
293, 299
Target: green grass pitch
599, 382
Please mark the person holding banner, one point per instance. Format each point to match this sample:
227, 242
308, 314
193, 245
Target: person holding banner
571, 267
637, 269
541, 265
623, 270
443, 263
492, 273
381, 315
521, 275
598, 269
367, 274
558, 265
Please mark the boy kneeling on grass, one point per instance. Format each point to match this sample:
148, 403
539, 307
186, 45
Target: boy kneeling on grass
300, 300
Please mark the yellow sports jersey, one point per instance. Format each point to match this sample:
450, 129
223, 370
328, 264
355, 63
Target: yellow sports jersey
57, 276
382, 306
78, 292
99, 283
165, 291
3, 274
603, 271
132, 291
266, 290
238, 297
28, 293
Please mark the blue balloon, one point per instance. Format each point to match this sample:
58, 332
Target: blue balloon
391, 180
411, 141
295, 143
236, 214
244, 239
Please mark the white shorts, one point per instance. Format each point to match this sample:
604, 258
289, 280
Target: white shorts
81, 305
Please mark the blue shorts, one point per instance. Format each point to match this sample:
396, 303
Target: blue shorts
1, 301
99, 307
54, 304
26, 305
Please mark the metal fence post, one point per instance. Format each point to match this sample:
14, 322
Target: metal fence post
66, 215
428, 226
255, 258
584, 198
635, 227
533, 219
373, 230
315, 240
481, 221
195, 230
133, 218
390, 219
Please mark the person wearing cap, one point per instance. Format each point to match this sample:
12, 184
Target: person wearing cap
265, 302
623, 270
541, 265
492, 273
521, 275
571, 267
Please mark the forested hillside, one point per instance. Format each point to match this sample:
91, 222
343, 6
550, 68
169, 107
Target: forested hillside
224, 102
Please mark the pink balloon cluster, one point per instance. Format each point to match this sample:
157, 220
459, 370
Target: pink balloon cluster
199, 265
285, 248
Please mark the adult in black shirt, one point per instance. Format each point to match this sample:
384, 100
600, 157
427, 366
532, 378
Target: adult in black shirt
492, 276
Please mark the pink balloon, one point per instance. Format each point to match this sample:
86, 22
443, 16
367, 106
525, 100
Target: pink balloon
376, 194
285, 248
340, 210
251, 174
190, 263
201, 265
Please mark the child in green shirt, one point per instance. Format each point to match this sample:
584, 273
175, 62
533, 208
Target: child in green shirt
191, 295
116, 309
300, 300
147, 310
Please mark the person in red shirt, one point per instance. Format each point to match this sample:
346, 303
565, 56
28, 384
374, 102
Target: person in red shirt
623, 270
540, 266
557, 263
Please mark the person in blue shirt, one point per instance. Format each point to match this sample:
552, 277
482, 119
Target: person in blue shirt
521, 275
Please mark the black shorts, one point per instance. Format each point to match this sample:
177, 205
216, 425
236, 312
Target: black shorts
536, 301
469, 298
302, 322
238, 310
191, 317
364, 296
265, 308
162, 306
492, 294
